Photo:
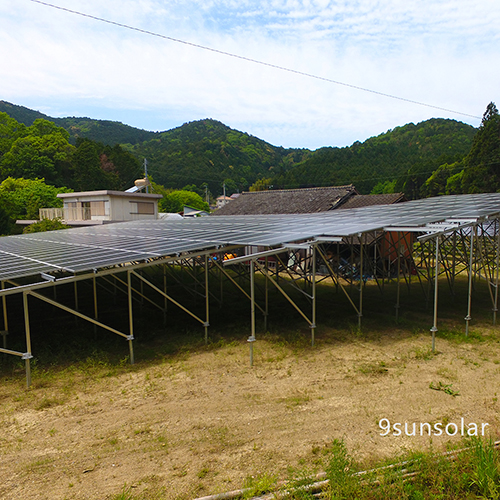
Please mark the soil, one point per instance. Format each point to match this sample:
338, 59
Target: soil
203, 422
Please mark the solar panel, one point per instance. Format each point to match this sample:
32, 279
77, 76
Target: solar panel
97, 247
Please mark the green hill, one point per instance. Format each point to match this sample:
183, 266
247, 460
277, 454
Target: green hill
207, 152
395, 155
104, 131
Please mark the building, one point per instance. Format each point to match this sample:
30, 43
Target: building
304, 201
222, 201
103, 207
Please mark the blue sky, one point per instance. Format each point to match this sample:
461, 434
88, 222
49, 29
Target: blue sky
443, 53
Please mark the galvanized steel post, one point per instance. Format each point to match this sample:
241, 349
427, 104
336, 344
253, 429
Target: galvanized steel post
28, 355
469, 295
130, 317
360, 314
266, 291
313, 325
5, 330
434, 326
495, 306
165, 301
251, 339
398, 277
207, 305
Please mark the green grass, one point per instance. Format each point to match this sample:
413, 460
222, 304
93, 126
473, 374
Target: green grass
470, 473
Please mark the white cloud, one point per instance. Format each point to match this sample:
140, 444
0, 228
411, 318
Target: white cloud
441, 53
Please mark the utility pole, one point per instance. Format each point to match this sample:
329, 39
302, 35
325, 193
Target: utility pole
146, 174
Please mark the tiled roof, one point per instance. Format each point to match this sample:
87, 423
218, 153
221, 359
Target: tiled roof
366, 200
288, 201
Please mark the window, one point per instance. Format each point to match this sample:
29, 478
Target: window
97, 208
144, 208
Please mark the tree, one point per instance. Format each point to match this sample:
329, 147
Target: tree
482, 164
10, 130
384, 187
437, 183
39, 151
22, 198
262, 185
174, 201
45, 225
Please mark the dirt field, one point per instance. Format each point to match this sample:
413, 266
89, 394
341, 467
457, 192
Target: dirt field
203, 422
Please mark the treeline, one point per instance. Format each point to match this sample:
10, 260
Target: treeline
398, 160
43, 150
430, 158
37, 162
207, 153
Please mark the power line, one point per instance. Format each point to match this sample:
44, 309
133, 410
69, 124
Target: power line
248, 59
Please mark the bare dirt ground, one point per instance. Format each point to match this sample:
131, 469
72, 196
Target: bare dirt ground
202, 422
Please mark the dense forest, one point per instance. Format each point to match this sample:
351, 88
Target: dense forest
434, 157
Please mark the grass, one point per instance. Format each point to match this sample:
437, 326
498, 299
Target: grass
471, 470
70, 355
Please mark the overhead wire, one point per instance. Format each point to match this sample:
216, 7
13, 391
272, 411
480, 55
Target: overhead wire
249, 59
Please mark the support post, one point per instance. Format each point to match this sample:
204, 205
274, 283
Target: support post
469, 295
266, 292
96, 311
5, 330
207, 305
495, 305
165, 301
75, 288
434, 326
398, 277
28, 355
313, 326
251, 339
130, 317
360, 314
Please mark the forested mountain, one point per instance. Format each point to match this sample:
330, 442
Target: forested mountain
437, 156
208, 152
104, 131
403, 157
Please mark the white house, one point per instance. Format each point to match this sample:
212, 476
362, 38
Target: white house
102, 207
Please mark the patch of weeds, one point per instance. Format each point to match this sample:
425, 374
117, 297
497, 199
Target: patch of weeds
203, 472
125, 494
424, 354
340, 470
49, 402
485, 476
373, 368
297, 399
41, 466
458, 336
446, 388
258, 485
447, 373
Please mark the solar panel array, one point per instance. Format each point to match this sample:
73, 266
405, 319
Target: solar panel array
97, 247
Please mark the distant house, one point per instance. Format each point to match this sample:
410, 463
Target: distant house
367, 200
305, 200
288, 201
193, 212
103, 207
223, 201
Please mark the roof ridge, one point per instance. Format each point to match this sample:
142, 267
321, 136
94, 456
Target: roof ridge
346, 186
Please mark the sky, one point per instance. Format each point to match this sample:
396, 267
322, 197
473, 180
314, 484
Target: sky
443, 53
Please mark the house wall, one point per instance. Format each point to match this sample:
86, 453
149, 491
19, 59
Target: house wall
109, 208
